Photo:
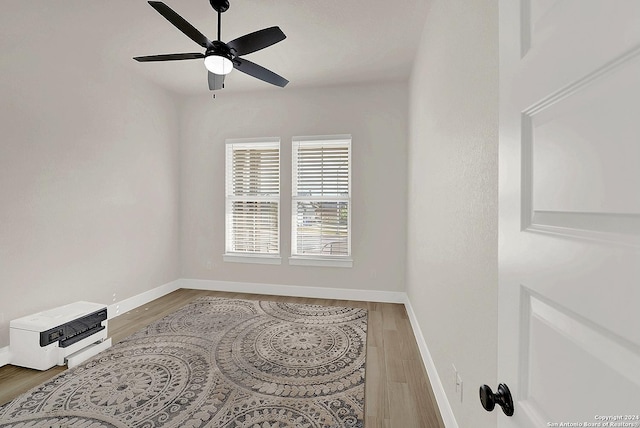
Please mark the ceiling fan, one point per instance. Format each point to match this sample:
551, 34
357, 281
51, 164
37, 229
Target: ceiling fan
219, 57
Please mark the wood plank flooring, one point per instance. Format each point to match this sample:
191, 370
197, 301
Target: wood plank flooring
397, 392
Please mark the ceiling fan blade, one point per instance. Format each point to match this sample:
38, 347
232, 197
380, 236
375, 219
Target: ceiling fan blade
169, 57
257, 40
216, 81
181, 23
259, 72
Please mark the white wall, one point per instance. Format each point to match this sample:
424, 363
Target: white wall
89, 174
452, 213
375, 115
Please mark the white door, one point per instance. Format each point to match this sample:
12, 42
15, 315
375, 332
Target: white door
569, 291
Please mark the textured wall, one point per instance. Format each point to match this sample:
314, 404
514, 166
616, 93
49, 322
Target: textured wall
89, 176
375, 115
452, 274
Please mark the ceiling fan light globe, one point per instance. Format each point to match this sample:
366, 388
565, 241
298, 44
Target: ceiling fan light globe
218, 64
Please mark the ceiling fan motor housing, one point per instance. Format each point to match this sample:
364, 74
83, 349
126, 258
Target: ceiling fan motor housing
220, 49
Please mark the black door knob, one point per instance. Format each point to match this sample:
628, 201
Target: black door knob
502, 398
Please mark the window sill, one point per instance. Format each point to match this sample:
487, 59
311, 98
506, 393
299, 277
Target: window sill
257, 259
320, 261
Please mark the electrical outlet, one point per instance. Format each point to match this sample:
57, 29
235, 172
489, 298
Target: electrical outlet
457, 381
114, 297
209, 265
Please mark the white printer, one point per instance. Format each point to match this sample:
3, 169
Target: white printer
69, 334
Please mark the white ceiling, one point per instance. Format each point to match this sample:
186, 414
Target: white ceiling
329, 42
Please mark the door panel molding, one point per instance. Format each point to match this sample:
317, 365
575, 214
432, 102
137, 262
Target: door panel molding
618, 353
586, 80
608, 351
602, 227
532, 16
616, 227
525, 27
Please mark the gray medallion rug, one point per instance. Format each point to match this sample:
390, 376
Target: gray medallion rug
215, 363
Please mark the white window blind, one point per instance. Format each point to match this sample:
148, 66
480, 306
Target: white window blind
253, 197
321, 205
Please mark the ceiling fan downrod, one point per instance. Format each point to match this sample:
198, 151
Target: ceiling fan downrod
220, 6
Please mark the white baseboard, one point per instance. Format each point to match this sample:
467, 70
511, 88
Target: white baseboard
136, 301
295, 291
446, 411
5, 356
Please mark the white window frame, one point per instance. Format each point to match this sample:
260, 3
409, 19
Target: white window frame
249, 257
316, 259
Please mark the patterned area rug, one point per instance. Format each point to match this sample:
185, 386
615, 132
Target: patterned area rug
215, 363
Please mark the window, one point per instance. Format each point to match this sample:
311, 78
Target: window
253, 201
321, 204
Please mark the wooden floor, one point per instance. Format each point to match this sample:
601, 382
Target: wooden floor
397, 391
